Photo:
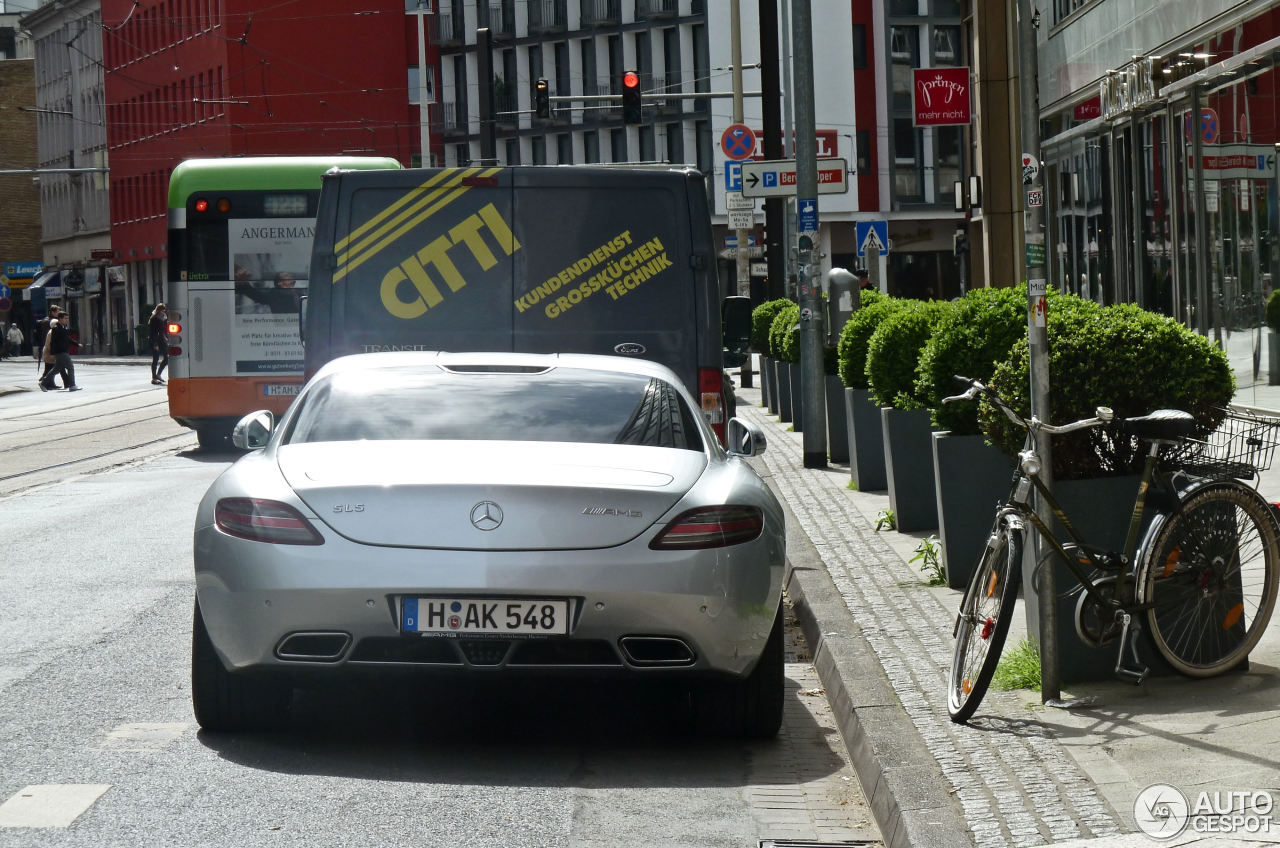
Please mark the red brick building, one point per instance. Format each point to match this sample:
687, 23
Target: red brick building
188, 78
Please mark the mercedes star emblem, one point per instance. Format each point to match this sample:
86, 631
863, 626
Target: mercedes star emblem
486, 515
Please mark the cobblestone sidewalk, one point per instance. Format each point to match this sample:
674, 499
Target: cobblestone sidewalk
1016, 785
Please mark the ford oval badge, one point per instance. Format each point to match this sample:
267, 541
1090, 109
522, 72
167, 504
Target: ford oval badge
630, 349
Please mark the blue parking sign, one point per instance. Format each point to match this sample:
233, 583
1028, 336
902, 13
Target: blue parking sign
733, 176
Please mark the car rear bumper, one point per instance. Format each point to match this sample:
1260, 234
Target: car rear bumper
334, 607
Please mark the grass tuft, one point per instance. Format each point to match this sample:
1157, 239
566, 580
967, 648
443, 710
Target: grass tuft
1019, 668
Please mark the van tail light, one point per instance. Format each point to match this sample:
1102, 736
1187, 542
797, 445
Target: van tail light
710, 527
264, 521
711, 397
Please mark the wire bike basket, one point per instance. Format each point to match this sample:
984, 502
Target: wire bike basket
1243, 445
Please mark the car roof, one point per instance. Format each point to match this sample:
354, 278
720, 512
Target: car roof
445, 359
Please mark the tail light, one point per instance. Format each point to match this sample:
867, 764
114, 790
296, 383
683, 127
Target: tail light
711, 397
710, 527
264, 521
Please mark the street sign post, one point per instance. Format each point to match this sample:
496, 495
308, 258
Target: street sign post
777, 177
872, 237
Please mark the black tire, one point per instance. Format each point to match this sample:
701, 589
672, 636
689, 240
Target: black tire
983, 623
1209, 578
231, 702
751, 707
213, 439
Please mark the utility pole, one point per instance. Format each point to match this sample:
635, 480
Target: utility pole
775, 208
743, 260
488, 126
813, 383
424, 125
1037, 332
789, 142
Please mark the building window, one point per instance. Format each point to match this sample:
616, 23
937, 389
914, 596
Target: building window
907, 164
675, 143
946, 45
947, 156
462, 153
904, 52
863, 152
618, 145
564, 149
859, 45
648, 150
904, 7
539, 149
513, 151
591, 147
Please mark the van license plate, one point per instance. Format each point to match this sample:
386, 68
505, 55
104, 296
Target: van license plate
281, 389
542, 617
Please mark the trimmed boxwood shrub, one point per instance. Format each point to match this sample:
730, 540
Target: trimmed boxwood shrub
761, 320
971, 341
1120, 356
893, 351
1273, 311
851, 349
784, 341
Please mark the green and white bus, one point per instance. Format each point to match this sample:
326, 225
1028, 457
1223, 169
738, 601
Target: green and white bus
240, 232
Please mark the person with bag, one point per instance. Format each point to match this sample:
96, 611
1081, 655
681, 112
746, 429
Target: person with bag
14, 338
40, 335
58, 344
159, 328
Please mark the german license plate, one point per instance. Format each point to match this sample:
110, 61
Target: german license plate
509, 616
281, 389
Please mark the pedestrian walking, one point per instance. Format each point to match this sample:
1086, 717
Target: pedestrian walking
14, 339
39, 349
58, 343
159, 328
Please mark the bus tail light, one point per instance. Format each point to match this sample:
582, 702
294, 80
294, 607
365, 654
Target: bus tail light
711, 397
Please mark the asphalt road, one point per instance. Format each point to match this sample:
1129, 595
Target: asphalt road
98, 745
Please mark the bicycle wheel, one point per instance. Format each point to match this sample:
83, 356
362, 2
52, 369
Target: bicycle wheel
983, 622
1209, 579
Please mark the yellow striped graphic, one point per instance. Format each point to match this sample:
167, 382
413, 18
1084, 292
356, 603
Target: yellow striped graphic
394, 221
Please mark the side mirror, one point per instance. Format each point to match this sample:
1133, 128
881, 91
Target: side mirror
735, 329
254, 430
744, 438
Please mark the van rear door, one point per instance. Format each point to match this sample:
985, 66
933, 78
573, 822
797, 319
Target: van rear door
424, 261
603, 266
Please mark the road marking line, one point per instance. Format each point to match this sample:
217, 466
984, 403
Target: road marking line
144, 736
50, 805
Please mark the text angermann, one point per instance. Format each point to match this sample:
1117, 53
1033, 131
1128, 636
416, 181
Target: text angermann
617, 277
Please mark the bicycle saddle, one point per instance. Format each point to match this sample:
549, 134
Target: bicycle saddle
1163, 424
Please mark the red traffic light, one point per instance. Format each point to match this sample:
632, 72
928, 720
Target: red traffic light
630, 80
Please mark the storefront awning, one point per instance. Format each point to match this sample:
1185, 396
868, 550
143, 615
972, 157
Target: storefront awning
48, 282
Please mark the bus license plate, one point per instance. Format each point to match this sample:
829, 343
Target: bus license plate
541, 617
281, 389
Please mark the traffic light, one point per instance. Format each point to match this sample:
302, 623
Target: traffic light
631, 109
542, 99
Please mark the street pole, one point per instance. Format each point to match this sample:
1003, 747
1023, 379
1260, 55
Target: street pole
812, 381
789, 143
775, 208
424, 126
743, 260
1037, 333
488, 126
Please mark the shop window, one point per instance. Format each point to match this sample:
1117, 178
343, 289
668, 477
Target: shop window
946, 45
908, 186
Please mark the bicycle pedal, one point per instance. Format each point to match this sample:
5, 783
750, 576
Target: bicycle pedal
1137, 678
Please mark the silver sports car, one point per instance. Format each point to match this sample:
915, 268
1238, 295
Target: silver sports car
523, 513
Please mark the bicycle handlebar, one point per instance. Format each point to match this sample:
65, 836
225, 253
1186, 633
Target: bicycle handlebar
1104, 414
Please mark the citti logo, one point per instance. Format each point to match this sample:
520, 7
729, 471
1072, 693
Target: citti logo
348, 507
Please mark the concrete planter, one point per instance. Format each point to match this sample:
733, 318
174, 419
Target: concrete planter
1100, 509
1273, 358
866, 441
908, 460
784, 391
837, 429
971, 477
797, 397
764, 381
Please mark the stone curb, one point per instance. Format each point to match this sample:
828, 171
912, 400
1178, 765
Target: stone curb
903, 783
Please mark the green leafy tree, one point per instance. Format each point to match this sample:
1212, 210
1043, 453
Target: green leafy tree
893, 351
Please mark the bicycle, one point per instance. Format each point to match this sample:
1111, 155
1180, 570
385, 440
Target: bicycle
1203, 575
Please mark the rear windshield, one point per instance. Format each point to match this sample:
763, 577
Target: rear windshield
557, 405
